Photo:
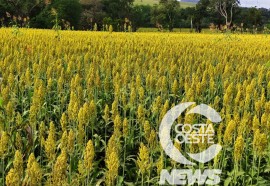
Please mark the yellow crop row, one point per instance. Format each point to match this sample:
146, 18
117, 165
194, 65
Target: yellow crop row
84, 108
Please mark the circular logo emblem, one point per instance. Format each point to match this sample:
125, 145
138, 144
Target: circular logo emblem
165, 131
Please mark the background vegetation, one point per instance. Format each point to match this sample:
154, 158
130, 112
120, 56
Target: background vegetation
124, 14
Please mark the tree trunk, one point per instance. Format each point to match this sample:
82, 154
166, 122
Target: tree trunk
171, 27
191, 25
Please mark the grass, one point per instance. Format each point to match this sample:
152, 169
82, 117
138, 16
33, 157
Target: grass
146, 2
183, 30
152, 2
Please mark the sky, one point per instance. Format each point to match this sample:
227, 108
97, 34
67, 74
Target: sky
258, 3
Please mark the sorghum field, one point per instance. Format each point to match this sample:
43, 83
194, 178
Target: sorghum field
84, 108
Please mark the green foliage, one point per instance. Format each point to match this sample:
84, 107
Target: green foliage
226, 8
254, 16
146, 2
111, 29
42, 20
16, 31
153, 2
95, 27
21, 8
166, 13
116, 12
92, 13
69, 10
141, 16
56, 26
118, 9
83, 14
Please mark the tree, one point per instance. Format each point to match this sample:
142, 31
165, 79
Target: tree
141, 16
68, 10
165, 13
201, 12
118, 9
255, 16
21, 8
18, 12
116, 12
265, 13
170, 9
157, 16
92, 13
225, 8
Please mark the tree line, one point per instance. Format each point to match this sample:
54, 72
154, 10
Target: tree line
125, 15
